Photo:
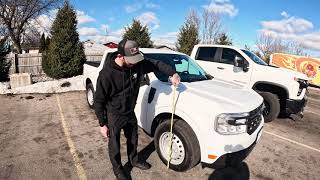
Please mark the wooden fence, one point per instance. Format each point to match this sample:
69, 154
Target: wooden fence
32, 63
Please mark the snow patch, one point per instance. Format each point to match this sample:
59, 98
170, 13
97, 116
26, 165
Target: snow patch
46, 87
4, 87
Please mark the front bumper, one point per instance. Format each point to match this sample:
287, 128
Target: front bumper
233, 158
295, 106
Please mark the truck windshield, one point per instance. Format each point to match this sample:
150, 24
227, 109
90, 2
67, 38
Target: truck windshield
254, 57
187, 68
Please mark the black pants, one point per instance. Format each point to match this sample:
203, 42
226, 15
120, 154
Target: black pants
129, 125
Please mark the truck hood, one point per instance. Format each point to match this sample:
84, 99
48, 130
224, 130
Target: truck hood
279, 71
230, 97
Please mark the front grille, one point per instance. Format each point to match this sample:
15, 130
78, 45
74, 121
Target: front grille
254, 119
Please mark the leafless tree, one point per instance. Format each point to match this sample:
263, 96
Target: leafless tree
193, 18
268, 44
16, 14
212, 27
296, 48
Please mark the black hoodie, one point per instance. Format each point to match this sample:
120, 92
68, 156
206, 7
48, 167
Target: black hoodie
118, 87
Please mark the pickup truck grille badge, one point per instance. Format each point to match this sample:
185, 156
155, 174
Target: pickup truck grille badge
254, 119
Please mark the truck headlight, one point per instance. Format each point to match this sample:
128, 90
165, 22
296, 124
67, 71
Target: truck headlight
231, 123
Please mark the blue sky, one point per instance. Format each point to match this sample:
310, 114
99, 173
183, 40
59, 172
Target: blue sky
243, 19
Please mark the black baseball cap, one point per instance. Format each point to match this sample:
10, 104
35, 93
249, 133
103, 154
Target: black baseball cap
130, 50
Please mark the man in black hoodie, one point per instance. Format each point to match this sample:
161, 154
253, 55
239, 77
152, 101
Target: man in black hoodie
115, 99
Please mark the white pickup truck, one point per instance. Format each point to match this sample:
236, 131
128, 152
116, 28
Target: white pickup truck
216, 123
283, 90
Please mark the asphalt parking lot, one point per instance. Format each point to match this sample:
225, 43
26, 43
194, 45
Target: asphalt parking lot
56, 136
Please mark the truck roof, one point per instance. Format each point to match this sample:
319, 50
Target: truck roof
215, 45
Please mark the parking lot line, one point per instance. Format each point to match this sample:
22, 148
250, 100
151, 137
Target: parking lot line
80, 170
292, 141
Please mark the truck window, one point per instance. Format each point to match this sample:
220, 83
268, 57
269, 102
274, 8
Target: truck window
206, 53
228, 56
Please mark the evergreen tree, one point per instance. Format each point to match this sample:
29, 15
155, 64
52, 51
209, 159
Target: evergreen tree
224, 39
65, 56
4, 64
188, 35
138, 33
47, 42
42, 43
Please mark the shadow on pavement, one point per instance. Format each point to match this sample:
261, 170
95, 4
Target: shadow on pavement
241, 172
143, 155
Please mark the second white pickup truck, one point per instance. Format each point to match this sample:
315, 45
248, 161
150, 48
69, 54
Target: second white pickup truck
283, 90
216, 123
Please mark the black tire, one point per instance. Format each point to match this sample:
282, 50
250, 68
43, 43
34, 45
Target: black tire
189, 140
89, 88
272, 106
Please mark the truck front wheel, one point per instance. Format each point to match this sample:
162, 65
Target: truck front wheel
185, 152
272, 106
90, 95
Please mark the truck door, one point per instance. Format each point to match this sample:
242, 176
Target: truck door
207, 58
225, 69
141, 106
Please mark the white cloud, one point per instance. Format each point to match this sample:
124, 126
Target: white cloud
222, 7
104, 28
152, 5
288, 25
133, 8
293, 29
117, 33
284, 14
138, 5
101, 39
169, 39
44, 22
149, 19
88, 31
100, 36
222, 1
84, 18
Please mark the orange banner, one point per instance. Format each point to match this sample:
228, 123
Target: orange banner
307, 65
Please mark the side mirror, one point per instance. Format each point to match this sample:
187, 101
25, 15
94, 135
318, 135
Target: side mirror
245, 66
238, 61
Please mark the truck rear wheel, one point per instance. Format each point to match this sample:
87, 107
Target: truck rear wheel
185, 146
272, 106
90, 95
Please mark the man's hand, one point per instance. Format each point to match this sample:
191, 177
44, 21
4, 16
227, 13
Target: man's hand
104, 131
175, 79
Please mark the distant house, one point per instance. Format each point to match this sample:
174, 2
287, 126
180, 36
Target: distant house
30, 48
93, 47
111, 45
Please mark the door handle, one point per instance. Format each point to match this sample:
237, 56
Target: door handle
221, 68
152, 92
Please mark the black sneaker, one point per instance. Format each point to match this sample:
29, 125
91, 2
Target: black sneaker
142, 165
121, 175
